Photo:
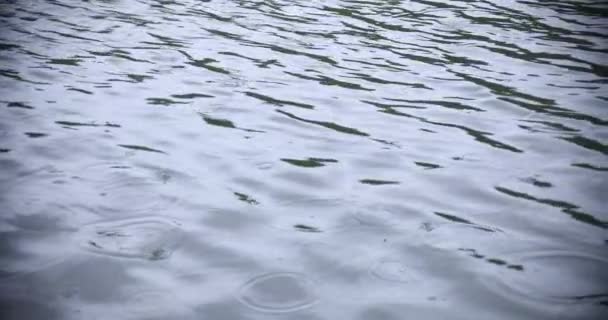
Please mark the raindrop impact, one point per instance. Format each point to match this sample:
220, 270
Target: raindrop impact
393, 271
151, 238
279, 292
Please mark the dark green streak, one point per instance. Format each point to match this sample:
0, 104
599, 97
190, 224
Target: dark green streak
140, 148
329, 125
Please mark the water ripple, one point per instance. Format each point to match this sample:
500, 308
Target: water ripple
418, 140
278, 292
558, 277
146, 238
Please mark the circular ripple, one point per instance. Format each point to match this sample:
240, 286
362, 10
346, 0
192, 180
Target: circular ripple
118, 187
151, 238
460, 235
393, 271
382, 215
558, 277
117, 190
279, 292
378, 217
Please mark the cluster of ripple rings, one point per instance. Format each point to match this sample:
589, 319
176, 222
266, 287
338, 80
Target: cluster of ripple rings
152, 238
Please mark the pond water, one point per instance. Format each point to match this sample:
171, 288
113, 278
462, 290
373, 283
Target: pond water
303, 159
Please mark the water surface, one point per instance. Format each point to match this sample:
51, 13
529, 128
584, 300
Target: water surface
297, 159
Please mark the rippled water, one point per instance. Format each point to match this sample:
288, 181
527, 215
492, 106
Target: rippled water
296, 159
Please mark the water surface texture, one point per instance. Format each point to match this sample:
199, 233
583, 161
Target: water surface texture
303, 159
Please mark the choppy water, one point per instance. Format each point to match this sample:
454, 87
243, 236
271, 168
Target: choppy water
300, 159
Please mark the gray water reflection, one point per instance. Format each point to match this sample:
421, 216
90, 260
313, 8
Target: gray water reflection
341, 159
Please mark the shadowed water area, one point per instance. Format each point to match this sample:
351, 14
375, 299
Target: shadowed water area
296, 159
